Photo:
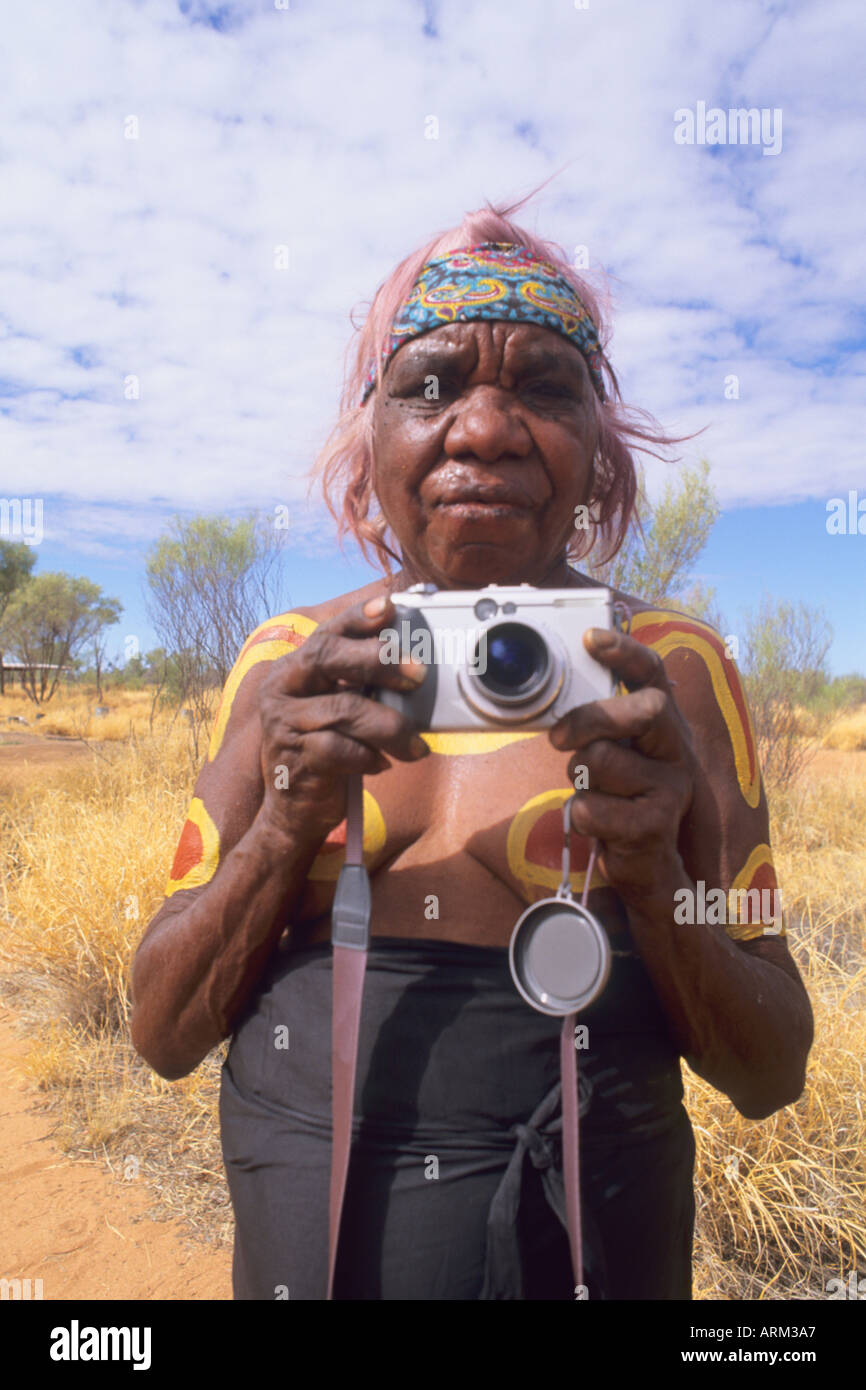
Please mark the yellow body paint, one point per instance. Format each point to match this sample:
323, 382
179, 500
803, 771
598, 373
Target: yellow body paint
758, 873
270, 640
665, 633
467, 742
534, 847
198, 851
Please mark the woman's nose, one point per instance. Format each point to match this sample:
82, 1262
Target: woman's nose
486, 424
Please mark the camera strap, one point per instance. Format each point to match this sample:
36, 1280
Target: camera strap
570, 1143
568, 1071
350, 939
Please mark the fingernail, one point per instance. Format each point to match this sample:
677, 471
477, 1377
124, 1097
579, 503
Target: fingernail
374, 606
413, 671
602, 636
418, 748
558, 737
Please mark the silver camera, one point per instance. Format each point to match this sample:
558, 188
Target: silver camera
499, 657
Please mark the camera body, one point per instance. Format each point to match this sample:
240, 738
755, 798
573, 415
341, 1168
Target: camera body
501, 657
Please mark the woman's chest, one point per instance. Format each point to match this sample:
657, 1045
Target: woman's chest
496, 799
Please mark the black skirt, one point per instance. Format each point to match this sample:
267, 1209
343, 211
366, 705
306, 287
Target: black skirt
455, 1188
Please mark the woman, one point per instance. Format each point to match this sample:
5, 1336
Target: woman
482, 425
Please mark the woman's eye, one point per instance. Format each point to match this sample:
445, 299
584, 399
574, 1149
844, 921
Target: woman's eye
431, 387
547, 388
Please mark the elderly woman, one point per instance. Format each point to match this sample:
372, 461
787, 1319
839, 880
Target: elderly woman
482, 420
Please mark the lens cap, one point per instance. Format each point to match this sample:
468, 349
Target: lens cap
559, 956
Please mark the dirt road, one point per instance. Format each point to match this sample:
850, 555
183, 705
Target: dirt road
75, 1226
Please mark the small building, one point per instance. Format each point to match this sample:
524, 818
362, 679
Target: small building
21, 668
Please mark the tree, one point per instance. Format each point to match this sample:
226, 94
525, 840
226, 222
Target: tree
211, 581
658, 557
159, 667
16, 562
100, 647
49, 620
783, 653
840, 695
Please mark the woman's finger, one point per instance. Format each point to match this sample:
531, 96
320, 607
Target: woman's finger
630, 661
648, 717
350, 714
609, 768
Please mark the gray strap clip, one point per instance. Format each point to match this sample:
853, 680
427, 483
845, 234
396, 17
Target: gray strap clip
350, 915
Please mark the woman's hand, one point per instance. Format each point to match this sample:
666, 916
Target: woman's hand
317, 726
641, 770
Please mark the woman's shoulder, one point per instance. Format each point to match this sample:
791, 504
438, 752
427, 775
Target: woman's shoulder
331, 607
701, 665
666, 628
276, 636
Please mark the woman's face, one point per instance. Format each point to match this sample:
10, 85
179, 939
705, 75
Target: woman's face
479, 483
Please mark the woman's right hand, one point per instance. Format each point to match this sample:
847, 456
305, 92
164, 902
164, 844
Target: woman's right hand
317, 726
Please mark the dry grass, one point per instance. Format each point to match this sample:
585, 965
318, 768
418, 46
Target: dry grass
86, 862
88, 855
845, 731
848, 732
109, 1104
780, 1201
70, 713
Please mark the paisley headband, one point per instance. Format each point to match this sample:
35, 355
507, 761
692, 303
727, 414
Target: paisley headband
495, 280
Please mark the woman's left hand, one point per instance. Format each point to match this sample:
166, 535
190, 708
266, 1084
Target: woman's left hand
641, 770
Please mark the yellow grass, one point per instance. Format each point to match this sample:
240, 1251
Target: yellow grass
70, 713
89, 852
780, 1202
848, 732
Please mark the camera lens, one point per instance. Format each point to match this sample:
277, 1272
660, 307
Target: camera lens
517, 661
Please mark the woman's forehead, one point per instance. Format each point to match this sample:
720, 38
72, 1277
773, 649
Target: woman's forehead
532, 342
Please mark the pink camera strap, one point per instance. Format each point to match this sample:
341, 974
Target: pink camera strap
349, 963
350, 940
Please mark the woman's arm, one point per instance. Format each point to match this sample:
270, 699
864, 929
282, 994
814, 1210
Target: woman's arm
265, 802
738, 1010
679, 808
206, 948
207, 945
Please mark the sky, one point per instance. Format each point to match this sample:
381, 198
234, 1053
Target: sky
196, 197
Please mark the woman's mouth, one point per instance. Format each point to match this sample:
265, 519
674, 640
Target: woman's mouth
482, 504
483, 511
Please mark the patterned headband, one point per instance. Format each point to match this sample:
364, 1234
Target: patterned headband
496, 280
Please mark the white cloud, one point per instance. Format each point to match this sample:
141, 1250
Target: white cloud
305, 127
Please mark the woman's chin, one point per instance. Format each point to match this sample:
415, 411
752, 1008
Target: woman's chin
474, 564
474, 547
